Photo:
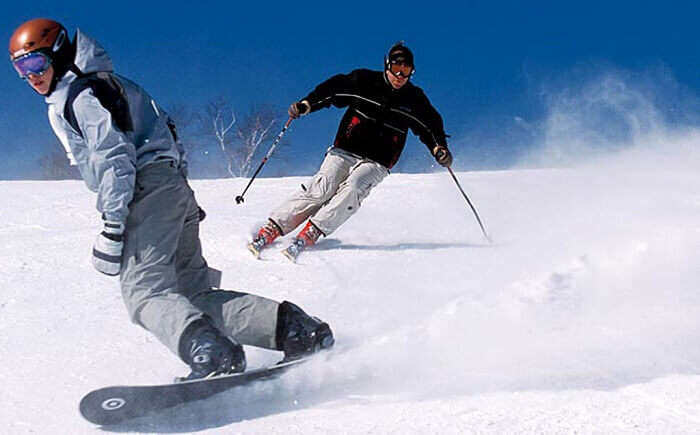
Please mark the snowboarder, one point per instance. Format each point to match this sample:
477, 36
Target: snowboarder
127, 151
381, 107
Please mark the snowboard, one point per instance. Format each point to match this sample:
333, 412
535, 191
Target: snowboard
111, 405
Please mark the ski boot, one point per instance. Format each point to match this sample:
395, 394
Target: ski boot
208, 353
306, 237
266, 235
299, 334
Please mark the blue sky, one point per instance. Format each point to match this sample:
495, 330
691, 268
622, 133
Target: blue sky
485, 65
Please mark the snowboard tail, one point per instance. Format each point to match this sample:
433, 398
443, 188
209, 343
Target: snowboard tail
111, 405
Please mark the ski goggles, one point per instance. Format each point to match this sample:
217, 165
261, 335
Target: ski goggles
400, 69
36, 63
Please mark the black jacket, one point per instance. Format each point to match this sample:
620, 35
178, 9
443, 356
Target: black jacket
378, 116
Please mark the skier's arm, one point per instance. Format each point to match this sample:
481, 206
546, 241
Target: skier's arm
428, 125
112, 158
327, 93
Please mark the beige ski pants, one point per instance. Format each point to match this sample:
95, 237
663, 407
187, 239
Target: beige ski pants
334, 193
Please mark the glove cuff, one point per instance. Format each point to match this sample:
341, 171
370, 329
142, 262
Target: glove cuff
112, 227
113, 237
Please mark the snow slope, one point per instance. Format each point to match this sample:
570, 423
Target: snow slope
583, 316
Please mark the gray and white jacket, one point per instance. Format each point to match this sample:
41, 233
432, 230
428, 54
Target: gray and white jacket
110, 127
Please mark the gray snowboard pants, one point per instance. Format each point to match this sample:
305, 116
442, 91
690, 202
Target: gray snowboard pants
334, 194
164, 278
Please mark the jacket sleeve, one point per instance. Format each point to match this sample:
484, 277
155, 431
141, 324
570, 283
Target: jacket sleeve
111, 157
428, 126
333, 91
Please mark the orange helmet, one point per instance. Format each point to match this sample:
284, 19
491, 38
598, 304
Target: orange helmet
46, 38
36, 34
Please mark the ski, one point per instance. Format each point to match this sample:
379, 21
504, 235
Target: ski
254, 249
116, 404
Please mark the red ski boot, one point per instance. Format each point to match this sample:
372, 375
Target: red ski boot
306, 237
266, 235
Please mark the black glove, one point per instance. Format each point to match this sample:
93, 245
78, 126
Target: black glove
107, 250
442, 155
300, 108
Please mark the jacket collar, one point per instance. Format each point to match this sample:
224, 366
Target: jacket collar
90, 57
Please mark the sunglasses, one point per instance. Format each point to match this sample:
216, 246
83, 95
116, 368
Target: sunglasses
400, 70
36, 63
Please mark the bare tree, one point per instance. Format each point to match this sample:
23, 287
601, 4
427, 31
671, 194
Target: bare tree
219, 118
250, 134
239, 139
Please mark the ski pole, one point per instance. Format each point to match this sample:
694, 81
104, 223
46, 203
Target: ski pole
470, 204
239, 198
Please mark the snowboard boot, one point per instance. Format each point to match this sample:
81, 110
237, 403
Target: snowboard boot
299, 334
266, 235
208, 353
306, 237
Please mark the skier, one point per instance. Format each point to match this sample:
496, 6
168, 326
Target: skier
127, 151
381, 107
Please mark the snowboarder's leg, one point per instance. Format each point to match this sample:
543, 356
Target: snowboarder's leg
363, 177
149, 279
334, 170
245, 318
253, 320
248, 319
191, 267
